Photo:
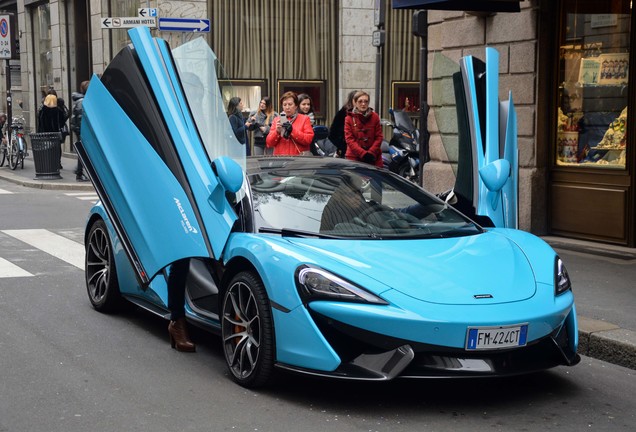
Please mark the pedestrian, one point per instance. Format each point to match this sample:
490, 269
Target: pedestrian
178, 329
260, 122
235, 114
292, 132
336, 130
52, 117
363, 132
76, 124
3, 122
306, 106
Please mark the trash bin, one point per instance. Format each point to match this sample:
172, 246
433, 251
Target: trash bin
47, 150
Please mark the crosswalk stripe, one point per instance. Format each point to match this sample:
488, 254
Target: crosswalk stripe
51, 243
8, 270
87, 198
77, 194
5, 192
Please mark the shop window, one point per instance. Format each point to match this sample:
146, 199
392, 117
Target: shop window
593, 77
41, 19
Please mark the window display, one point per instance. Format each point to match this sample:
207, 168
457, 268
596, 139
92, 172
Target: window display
593, 91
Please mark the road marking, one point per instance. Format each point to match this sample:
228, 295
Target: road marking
5, 192
10, 270
84, 196
53, 244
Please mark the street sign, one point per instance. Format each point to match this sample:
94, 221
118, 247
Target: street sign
184, 24
5, 37
378, 38
147, 12
128, 22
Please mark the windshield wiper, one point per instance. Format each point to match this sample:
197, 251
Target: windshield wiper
290, 232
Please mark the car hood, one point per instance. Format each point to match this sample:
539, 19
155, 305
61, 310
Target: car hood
482, 269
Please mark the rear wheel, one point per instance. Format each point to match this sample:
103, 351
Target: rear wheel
23, 151
14, 154
101, 274
3, 154
247, 331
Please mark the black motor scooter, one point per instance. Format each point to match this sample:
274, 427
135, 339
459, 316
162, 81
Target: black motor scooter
401, 154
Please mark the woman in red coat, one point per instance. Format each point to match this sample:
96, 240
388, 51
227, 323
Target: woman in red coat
363, 132
291, 133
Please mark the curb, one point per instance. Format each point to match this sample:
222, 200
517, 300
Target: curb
608, 342
45, 184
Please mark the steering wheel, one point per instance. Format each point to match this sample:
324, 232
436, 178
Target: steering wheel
373, 208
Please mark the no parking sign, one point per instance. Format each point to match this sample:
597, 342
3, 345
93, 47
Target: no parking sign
6, 37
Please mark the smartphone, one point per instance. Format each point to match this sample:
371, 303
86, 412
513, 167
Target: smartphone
283, 118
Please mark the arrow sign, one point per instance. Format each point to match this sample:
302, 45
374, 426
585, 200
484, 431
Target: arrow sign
184, 24
147, 12
128, 22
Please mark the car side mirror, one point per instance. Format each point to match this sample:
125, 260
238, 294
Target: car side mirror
229, 173
495, 174
230, 176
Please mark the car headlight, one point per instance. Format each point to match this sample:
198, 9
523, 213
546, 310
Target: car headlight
561, 278
318, 284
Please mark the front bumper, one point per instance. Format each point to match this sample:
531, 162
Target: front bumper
371, 356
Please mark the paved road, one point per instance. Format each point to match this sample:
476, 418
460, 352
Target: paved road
65, 367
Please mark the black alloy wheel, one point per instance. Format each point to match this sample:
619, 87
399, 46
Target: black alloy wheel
247, 331
101, 274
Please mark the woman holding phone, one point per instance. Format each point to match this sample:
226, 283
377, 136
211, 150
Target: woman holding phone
291, 133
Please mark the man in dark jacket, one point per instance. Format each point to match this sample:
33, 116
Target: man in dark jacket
76, 123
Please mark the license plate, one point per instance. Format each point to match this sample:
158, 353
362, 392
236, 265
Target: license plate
480, 338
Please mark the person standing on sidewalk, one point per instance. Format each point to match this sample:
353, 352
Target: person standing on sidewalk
52, 117
76, 124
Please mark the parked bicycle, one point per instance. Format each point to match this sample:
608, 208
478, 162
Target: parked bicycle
16, 149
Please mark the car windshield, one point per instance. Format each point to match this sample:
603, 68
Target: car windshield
201, 74
350, 202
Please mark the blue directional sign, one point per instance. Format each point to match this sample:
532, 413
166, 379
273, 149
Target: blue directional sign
184, 24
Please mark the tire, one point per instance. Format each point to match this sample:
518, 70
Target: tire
14, 155
100, 271
404, 170
247, 331
23, 152
3, 156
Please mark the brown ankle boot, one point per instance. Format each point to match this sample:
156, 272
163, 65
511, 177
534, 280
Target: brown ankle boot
179, 338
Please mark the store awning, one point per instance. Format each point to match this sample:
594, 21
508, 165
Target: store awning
462, 5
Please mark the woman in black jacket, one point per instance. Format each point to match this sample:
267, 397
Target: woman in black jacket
336, 130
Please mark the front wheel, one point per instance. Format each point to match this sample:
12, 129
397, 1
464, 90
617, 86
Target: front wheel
407, 171
3, 154
23, 151
101, 274
247, 331
14, 155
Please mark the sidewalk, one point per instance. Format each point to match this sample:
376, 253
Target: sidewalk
26, 176
602, 276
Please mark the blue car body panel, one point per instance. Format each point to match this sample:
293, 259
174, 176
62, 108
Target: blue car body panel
160, 221
494, 148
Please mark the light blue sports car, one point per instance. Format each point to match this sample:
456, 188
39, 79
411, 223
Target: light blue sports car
319, 266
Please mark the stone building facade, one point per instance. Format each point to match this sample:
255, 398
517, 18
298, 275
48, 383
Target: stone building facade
525, 42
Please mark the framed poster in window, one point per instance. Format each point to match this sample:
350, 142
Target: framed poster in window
614, 68
250, 91
589, 71
315, 90
405, 96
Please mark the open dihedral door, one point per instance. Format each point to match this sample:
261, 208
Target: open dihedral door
144, 155
487, 178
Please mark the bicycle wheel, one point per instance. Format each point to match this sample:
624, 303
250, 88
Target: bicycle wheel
3, 155
23, 151
14, 154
